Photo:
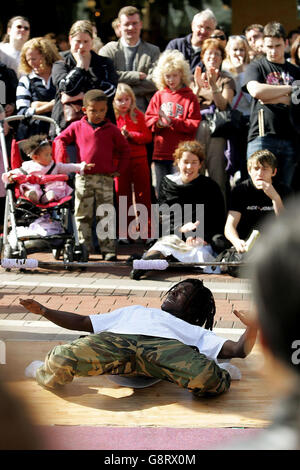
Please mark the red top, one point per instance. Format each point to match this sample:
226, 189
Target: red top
183, 108
104, 145
140, 134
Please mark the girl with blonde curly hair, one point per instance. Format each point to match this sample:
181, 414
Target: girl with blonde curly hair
36, 91
173, 114
169, 62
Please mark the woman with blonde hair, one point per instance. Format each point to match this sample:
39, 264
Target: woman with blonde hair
173, 114
80, 70
236, 61
131, 122
36, 91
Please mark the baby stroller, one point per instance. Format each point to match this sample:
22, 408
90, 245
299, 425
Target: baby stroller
30, 227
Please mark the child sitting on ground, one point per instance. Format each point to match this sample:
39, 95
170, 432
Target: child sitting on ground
39, 149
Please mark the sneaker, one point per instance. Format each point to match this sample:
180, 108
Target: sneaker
30, 370
109, 257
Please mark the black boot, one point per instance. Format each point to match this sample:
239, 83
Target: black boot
136, 274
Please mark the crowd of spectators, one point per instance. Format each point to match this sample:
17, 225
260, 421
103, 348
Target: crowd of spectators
175, 95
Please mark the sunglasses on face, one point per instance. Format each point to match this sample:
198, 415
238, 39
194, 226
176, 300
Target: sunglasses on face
221, 36
19, 26
238, 36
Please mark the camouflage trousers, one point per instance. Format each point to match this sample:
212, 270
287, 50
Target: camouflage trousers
133, 355
90, 192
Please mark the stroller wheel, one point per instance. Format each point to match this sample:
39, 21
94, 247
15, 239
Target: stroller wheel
68, 254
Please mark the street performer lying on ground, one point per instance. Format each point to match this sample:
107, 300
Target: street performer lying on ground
168, 343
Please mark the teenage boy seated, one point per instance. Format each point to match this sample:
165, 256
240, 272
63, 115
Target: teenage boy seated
253, 199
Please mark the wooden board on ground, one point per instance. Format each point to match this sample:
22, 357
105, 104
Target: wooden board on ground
97, 401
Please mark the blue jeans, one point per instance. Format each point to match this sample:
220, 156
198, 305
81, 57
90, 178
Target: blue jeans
284, 151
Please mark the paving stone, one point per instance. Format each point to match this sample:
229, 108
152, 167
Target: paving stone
40, 290
96, 290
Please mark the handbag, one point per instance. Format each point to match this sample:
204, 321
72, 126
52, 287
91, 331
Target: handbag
72, 107
225, 123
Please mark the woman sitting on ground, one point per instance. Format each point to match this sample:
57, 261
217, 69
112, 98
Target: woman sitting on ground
186, 193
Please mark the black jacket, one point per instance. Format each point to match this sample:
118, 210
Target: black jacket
69, 78
9, 77
202, 190
184, 45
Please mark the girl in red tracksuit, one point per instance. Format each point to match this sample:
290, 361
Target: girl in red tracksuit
136, 179
173, 114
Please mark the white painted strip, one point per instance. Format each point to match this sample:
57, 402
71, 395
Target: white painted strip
88, 284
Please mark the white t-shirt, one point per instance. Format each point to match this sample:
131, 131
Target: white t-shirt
10, 56
139, 320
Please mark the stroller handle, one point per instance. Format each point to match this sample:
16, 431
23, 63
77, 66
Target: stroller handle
21, 117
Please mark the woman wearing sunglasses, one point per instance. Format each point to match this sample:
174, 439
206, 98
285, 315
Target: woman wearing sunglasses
18, 31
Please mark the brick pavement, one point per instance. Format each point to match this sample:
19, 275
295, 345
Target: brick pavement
87, 304
79, 292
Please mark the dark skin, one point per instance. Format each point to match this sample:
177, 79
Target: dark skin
176, 301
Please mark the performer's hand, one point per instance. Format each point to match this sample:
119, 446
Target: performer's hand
33, 306
247, 317
240, 245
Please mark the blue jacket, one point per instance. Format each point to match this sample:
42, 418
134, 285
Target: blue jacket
184, 45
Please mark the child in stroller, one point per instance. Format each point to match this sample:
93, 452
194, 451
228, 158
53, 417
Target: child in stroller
39, 149
39, 187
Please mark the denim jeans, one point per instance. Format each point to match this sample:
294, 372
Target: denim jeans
284, 151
